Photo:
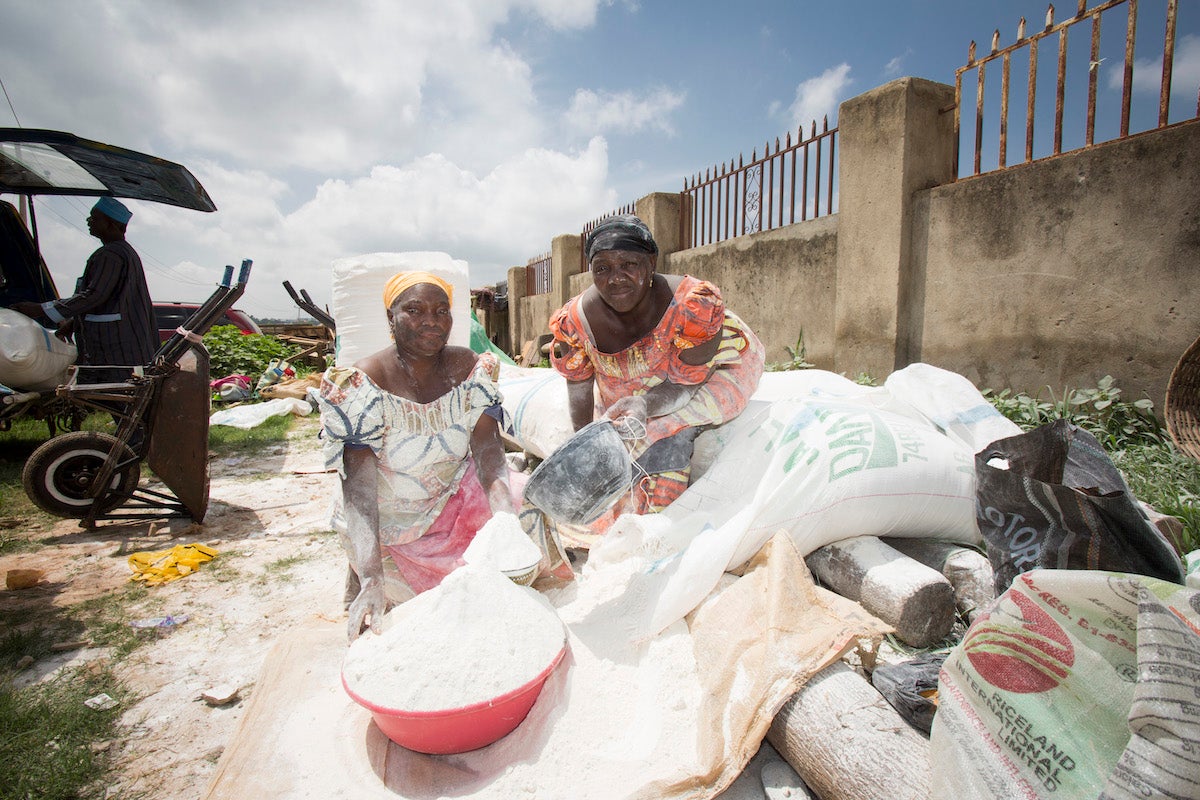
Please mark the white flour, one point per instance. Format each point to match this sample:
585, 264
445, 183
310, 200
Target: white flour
474, 637
502, 544
613, 718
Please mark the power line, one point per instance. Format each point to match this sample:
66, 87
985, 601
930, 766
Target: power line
10, 104
157, 264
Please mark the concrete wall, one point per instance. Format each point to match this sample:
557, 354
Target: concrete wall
781, 282
1062, 271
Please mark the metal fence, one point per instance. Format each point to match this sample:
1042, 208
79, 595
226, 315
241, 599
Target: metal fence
538, 275
785, 186
1081, 127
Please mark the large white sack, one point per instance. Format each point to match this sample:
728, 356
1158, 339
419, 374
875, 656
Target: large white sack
535, 402
357, 299
32, 358
827, 463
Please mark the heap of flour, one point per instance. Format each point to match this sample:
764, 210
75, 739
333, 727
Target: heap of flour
472, 638
502, 544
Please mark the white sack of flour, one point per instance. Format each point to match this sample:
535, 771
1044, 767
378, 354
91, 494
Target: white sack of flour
357, 299
830, 462
32, 358
535, 402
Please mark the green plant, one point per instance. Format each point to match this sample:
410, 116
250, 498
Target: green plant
798, 357
864, 379
232, 352
1169, 481
1116, 423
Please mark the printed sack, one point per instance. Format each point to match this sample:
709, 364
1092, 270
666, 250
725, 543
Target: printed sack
1074, 684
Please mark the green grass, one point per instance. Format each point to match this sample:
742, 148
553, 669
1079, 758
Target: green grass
47, 736
18, 514
51, 743
224, 441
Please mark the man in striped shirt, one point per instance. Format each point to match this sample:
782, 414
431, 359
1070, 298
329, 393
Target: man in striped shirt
110, 314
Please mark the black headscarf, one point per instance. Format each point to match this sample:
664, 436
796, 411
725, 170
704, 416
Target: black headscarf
620, 232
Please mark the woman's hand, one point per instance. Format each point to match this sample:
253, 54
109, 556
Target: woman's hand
368, 609
628, 412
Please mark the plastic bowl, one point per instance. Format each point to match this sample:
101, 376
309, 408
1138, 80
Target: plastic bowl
584, 477
458, 730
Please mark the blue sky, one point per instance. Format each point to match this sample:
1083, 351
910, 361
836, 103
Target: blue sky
479, 127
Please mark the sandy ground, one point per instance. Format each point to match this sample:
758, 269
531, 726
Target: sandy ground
280, 566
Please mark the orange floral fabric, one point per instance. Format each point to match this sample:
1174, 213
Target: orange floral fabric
696, 312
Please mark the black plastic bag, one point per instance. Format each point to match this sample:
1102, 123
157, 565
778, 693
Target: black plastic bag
1061, 504
911, 688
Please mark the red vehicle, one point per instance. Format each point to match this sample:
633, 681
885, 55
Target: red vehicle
171, 315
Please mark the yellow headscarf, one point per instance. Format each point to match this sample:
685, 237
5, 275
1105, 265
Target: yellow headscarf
405, 280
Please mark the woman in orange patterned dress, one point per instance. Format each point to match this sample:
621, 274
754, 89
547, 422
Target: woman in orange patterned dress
644, 349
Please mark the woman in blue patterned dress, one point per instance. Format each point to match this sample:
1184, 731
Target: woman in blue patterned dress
414, 431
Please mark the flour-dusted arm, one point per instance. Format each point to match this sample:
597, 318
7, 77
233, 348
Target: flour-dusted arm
668, 396
490, 465
361, 501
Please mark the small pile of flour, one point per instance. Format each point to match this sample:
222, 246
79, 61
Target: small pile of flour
502, 544
475, 636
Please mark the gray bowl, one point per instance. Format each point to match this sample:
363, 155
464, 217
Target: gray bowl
584, 477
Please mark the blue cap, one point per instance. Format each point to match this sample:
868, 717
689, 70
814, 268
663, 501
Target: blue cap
113, 209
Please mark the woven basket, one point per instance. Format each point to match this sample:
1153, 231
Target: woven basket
1183, 402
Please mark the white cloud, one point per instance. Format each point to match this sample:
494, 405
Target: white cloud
325, 87
623, 112
493, 221
320, 130
893, 67
820, 96
1147, 72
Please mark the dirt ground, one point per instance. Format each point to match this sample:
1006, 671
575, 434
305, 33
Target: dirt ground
279, 566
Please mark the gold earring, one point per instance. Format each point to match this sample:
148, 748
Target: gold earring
651, 281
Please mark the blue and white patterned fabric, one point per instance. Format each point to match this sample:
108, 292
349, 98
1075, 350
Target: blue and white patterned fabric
421, 449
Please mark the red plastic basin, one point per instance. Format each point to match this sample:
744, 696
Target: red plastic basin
458, 730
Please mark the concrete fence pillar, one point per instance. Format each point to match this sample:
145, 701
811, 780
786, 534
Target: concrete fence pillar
516, 291
894, 140
565, 254
660, 211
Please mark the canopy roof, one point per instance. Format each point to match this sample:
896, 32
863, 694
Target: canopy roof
34, 161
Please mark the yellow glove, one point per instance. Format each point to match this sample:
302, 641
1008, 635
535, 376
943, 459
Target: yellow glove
159, 566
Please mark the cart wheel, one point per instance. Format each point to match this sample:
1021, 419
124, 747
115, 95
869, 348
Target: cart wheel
59, 474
